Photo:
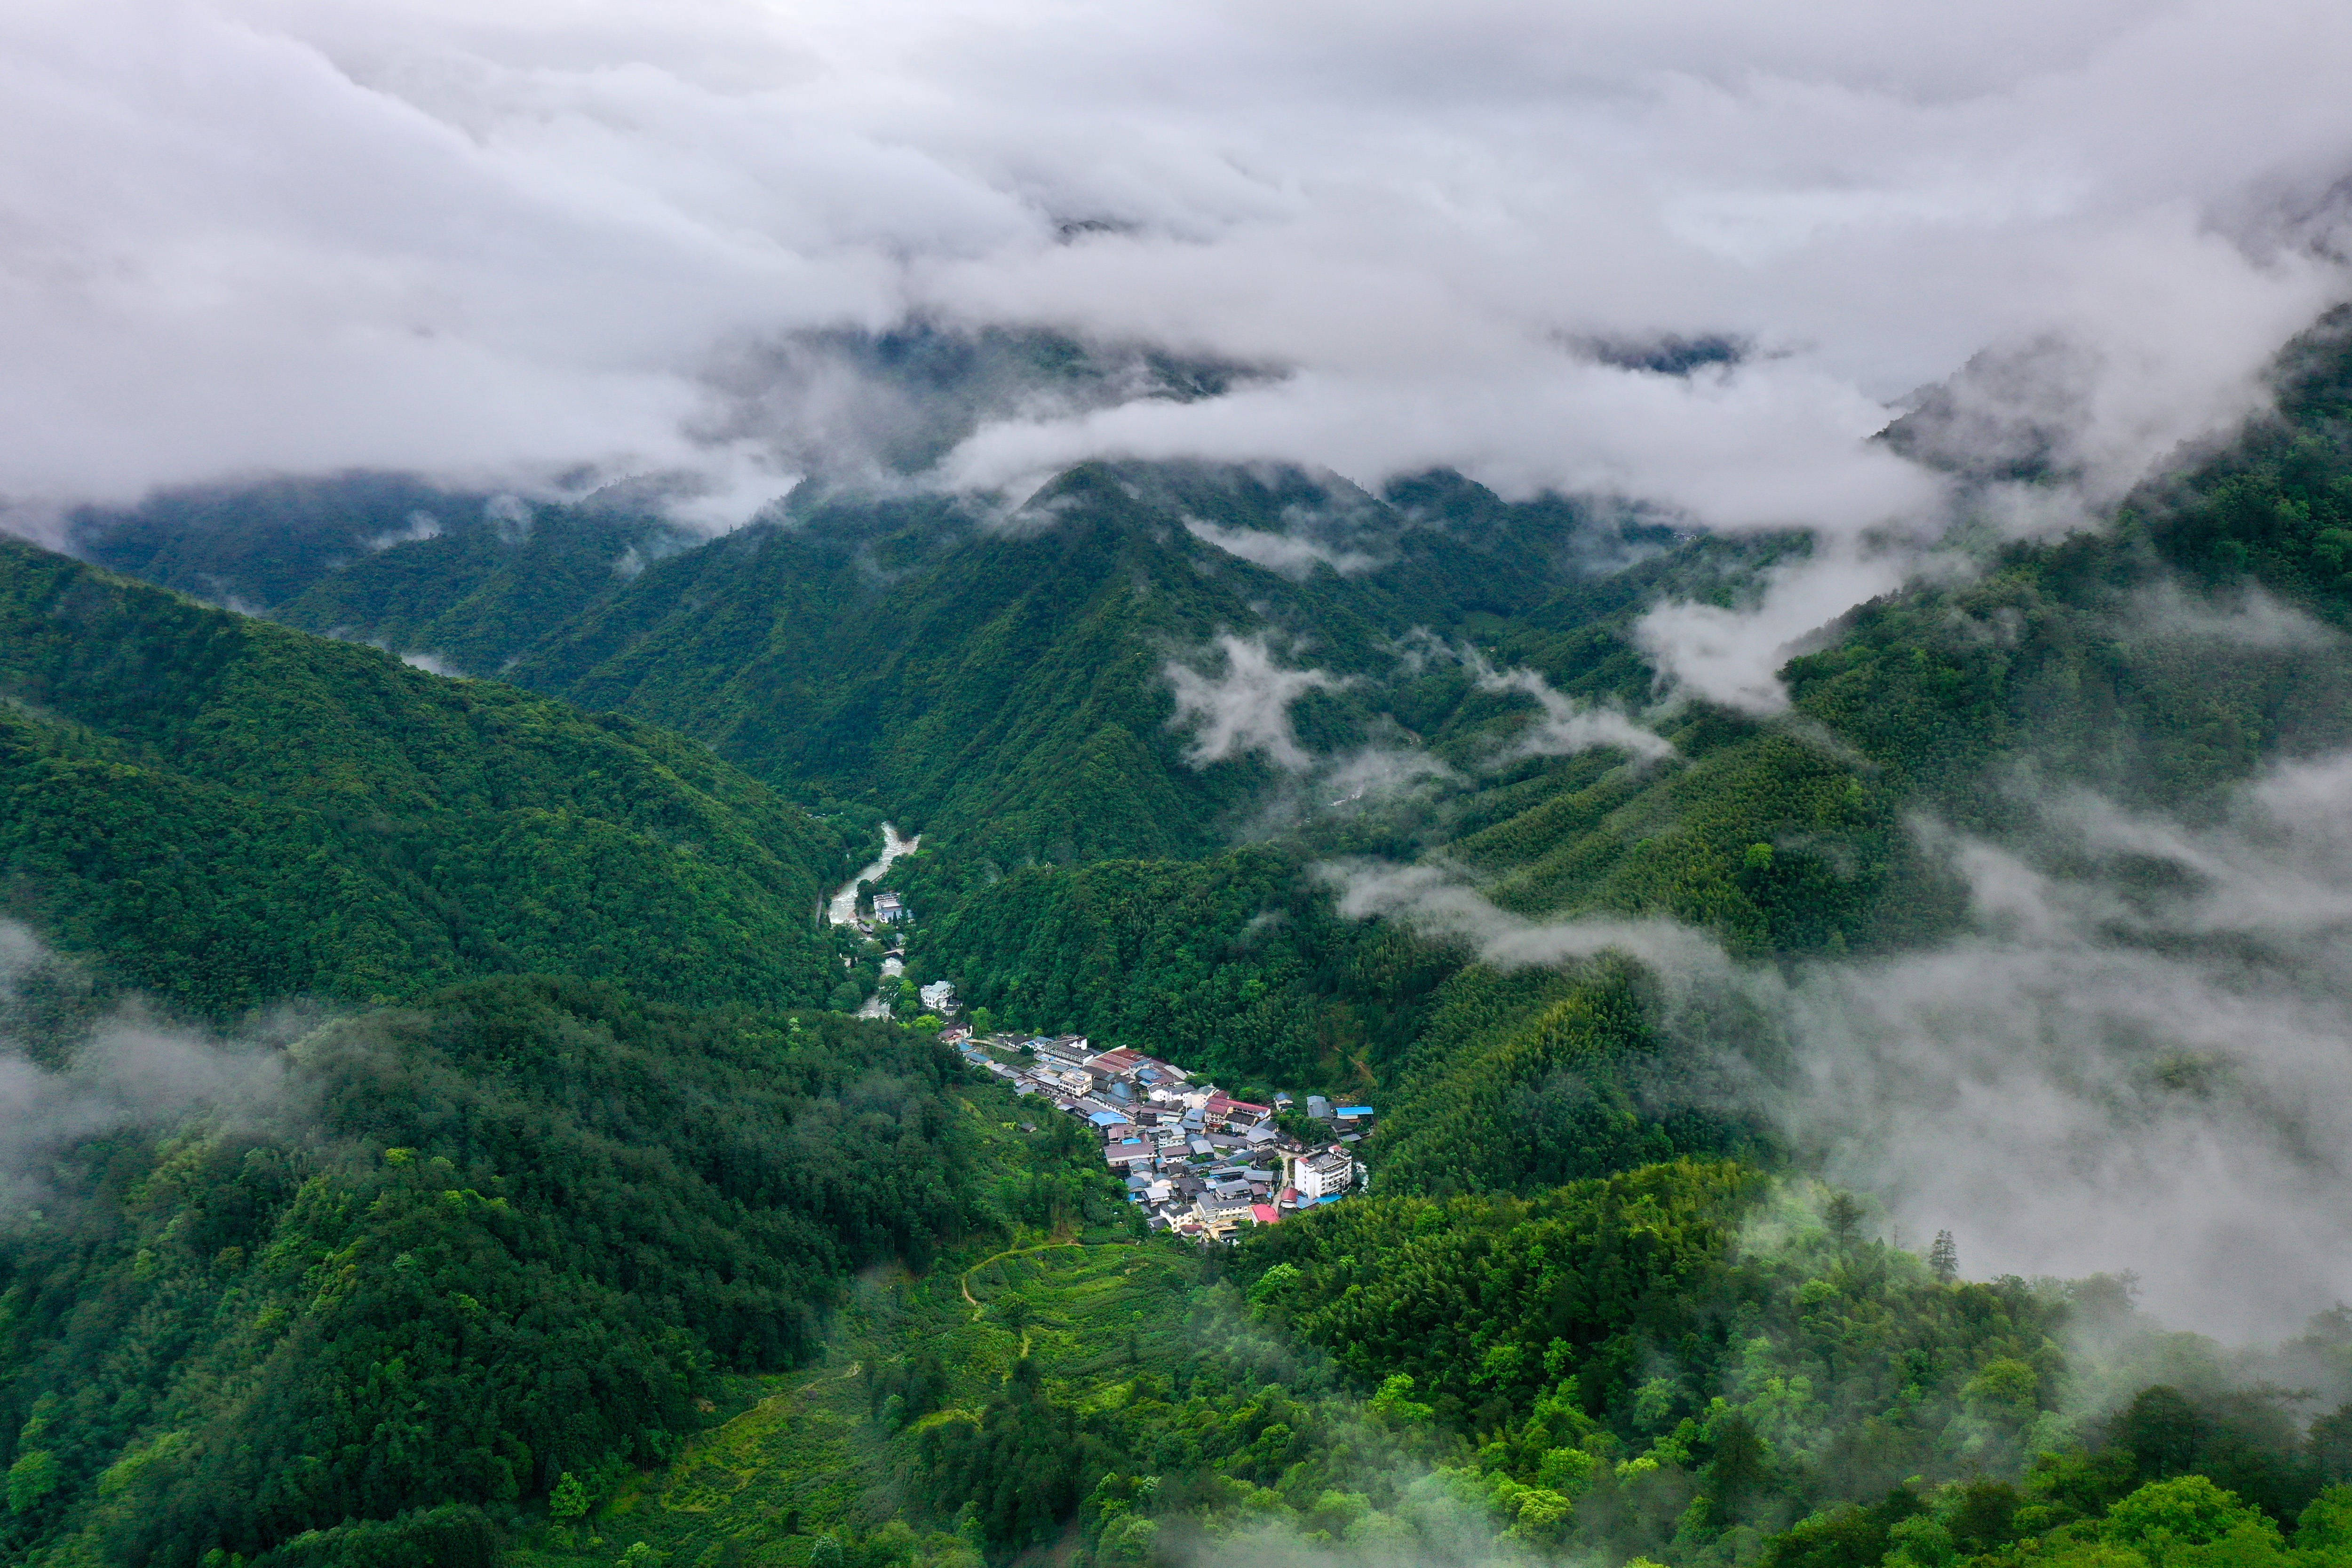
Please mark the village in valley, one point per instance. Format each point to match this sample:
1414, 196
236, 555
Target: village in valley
1198, 1161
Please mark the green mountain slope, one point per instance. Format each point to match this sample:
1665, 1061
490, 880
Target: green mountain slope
525, 1228
473, 597
2129, 662
261, 545
467, 579
232, 813
1001, 682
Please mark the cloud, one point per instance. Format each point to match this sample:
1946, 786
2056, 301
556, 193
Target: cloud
1733, 655
1565, 726
1377, 772
560, 245
2134, 1062
69, 1072
2249, 619
1438, 900
271, 235
1288, 554
420, 527
1248, 707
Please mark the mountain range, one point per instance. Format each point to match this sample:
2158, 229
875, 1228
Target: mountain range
570, 1220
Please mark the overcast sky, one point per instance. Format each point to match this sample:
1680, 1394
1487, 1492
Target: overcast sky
492, 241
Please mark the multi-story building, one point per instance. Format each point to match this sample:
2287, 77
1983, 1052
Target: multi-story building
1318, 1173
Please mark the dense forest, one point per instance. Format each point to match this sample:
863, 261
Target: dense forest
233, 814
520, 1229
567, 1219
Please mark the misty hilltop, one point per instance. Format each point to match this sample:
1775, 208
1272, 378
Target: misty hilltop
929, 786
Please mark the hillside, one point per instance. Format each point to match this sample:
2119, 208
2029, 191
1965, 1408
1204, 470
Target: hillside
543, 1274
1000, 681
1004, 683
522, 1229
2132, 663
230, 813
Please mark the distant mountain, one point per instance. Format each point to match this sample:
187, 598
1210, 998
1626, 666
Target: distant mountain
461, 582
1001, 680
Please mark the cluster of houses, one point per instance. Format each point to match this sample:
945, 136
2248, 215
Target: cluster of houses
1198, 1161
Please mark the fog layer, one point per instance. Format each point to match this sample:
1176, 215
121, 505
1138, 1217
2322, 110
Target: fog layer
2133, 1060
261, 235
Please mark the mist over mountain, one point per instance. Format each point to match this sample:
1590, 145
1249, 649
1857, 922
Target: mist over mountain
1608, 753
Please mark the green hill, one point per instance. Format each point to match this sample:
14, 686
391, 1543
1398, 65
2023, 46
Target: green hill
525, 1228
231, 813
1002, 682
999, 681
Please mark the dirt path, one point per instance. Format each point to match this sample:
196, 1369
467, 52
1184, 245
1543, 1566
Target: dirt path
964, 1281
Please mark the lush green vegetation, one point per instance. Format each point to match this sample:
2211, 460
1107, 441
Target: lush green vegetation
534, 1271
1234, 963
232, 814
1690, 1363
261, 545
523, 1229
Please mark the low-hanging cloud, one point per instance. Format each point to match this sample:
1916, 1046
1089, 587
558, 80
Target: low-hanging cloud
1290, 555
1564, 726
266, 236
1732, 655
1246, 707
2133, 1063
123, 1068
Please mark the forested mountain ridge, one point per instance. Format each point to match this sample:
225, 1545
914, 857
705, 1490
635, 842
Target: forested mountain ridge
468, 1306
230, 813
999, 679
526, 1228
2131, 663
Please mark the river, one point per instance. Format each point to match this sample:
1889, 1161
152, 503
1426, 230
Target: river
843, 907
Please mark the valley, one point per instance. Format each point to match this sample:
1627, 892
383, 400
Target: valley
564, 1163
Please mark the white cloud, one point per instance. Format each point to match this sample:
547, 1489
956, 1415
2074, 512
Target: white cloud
1732, 656
123, 1068
421, 525
501, 246
266, 234
1288, 554
1565, 726
2135, 1064
1246, 707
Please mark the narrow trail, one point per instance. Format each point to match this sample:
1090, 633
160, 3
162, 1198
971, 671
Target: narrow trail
964, 1281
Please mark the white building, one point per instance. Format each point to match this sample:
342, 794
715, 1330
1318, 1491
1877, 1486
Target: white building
1321, 1173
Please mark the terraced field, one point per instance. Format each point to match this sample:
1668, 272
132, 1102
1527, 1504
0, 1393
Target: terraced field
808, 1459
